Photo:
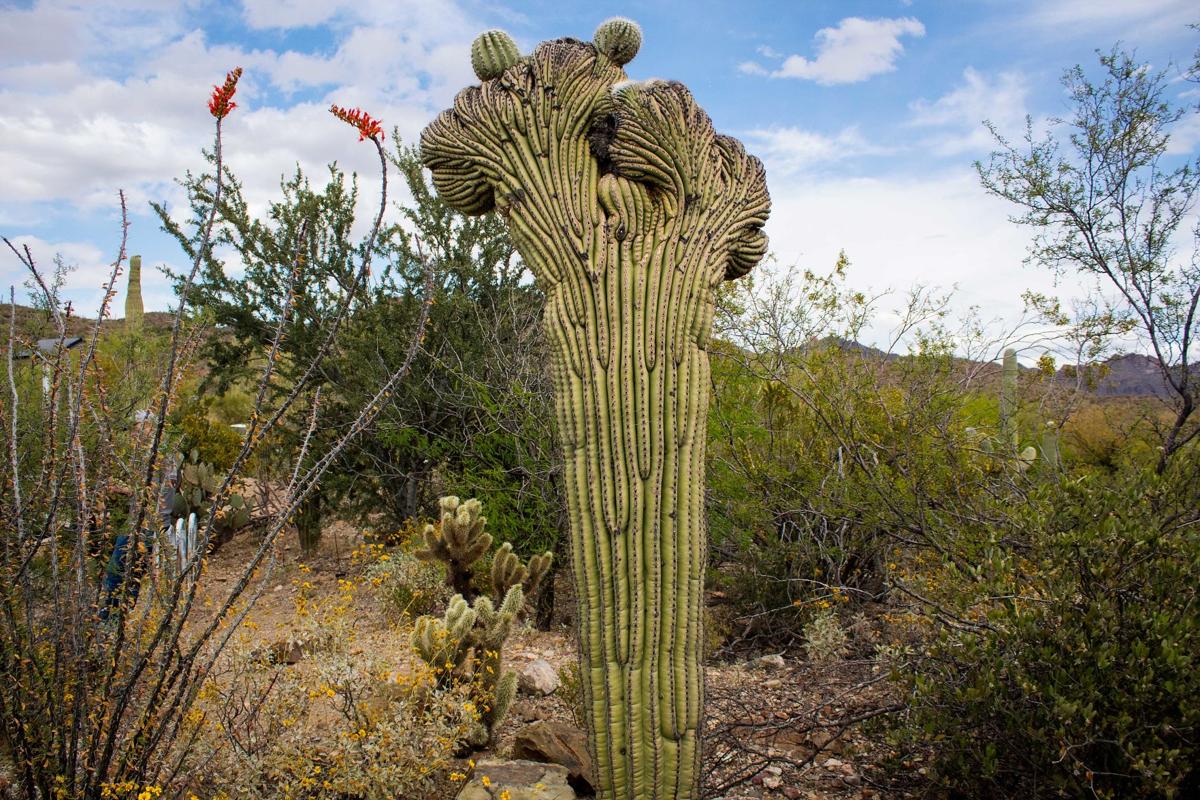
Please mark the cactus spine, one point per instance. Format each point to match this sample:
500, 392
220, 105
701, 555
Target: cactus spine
133, 293
630, 210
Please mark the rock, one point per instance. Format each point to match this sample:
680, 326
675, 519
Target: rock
771, 662
526, 711
772, 781
558, 743
792, 793
774, 683
523, 780
280, 652
826, 741
538, 678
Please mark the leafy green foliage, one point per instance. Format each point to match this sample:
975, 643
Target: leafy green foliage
1077, 672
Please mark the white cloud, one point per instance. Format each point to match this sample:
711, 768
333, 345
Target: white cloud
1130, 18
938, 230
77, 125
854, 50
1185, 136
791, 150
957, 117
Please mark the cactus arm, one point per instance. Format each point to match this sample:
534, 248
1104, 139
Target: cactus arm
629, 210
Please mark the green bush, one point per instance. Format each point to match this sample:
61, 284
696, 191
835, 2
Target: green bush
408, 585
1079, 676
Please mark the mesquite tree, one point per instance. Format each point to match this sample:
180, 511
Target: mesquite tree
630, 211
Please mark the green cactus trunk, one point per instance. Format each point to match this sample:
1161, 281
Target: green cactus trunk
133, 294
630, 211
1008, 398
308, 523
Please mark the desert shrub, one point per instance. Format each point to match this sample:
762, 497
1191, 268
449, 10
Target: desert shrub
824, 637
340, 723
214, 442
408, 586
1074, 671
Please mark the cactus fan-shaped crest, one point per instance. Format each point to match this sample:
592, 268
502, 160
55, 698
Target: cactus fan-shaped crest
630, 210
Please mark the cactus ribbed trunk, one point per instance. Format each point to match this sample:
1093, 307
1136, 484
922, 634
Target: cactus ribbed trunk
1008, 397
630, 211
133, 293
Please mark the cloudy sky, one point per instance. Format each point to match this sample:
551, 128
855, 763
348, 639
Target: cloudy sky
867, 112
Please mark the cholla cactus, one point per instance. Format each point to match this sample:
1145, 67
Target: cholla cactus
508, 571
630, 210
497, 686
444, 644
460, 542
473, 636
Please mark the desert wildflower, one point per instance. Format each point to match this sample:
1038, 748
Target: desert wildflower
221, 102
368, 127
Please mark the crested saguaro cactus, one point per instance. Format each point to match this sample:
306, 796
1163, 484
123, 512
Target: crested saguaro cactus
630, 211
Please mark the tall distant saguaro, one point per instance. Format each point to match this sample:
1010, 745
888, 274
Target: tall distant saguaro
630, 211
133, 293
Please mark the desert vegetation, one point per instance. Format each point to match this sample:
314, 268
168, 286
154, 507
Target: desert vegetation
381, 510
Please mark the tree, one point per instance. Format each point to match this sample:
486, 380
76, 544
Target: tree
1108, 200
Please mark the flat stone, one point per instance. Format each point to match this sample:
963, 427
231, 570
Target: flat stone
538, 678
523, 780
770, 662
558, 743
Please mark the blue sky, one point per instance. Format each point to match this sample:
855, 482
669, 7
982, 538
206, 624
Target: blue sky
867, 114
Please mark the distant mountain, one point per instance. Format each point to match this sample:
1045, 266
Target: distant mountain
1128, 375
36, 323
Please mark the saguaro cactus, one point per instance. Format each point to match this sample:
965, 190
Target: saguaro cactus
630, 211
133, 293
1008, 396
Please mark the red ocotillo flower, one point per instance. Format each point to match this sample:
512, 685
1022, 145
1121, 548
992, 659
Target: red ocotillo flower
221, 102
368, 128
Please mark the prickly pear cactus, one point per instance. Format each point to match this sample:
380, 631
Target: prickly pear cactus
630, 210
198, 482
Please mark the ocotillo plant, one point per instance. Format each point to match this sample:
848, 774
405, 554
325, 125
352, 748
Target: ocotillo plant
630, 210
133, 293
